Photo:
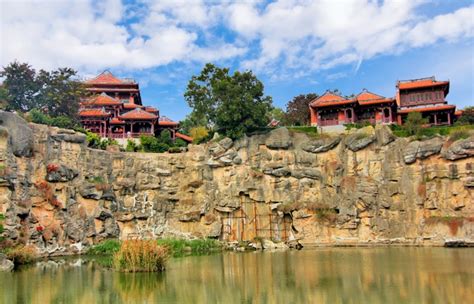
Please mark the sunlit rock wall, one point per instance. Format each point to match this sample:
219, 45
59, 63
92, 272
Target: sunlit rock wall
367, 187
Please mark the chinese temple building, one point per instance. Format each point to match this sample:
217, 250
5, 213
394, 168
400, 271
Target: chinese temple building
115, 110
426, 96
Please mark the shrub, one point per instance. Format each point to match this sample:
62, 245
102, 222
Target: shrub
23, 254
467, 116
59, 121
93, 140
174, 149
152, 144
414, 123
199, 134
358, 125
2, 218
140, 256
131, 146
107, 247
458, 135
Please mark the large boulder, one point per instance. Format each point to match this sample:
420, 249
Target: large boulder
384, 135
5, 264
21, 135
69, 136
60, 173
460, 149
321, 145
279, 139
360, 139
422, 149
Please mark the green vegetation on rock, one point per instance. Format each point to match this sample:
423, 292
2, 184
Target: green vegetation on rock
107, 247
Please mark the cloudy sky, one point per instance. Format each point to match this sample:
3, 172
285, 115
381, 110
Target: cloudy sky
294, 47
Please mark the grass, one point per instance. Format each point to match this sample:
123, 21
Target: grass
140, 256
456, 131
177, 247
180, 247
23, 254
107, 247
311, 131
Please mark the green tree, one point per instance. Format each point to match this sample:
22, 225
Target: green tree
230, 104
278, 114
467, 117
297, 110
20, 81
56, 93
198, 134
60, 92
414, 123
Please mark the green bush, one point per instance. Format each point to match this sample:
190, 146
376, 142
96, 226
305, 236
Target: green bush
140, 256
106, 247
131, 146
2, 218
180, 247
38, 117
459, 134
358, 125
93, 140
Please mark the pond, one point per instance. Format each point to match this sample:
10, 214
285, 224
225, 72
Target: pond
326, 275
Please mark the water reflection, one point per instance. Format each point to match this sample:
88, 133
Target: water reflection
333, 275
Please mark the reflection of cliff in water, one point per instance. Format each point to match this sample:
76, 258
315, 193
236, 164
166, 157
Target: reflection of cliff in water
330, 275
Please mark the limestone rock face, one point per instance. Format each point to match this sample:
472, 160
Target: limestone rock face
360, 139
422, 149
21, 135
360, 188
5, 264
321, 145
460, 149
279, 139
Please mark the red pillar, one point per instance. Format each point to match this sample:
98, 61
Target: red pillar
314, 116
435, 118
449, 118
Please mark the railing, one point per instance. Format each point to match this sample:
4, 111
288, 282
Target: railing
128, 134
328, 122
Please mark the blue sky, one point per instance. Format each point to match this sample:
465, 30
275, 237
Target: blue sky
294, 47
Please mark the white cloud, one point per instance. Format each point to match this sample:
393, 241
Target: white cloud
324, 34
90, 35
282, 38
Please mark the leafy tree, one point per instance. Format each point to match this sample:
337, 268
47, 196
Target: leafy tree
165, 137
278, 114
230, 104
20, 81
467, 117
3, 97
56, 93
414, 123
297, 110
60, 93
198, 134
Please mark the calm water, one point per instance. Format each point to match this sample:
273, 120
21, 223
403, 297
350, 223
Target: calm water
332, 275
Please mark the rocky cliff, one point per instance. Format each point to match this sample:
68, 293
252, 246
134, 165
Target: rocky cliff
367, 187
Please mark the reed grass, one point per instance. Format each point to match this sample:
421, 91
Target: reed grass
140, 256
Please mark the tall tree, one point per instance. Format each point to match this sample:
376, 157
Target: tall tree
20, 81
56, 93
230, 104
297, 110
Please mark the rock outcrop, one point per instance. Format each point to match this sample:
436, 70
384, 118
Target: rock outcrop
367, 187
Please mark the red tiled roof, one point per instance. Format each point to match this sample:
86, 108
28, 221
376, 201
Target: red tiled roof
420, 83
165, 121
427, 109
184, 137
330, 99
116, 121
369, 98
131, 106
108, 78
151, 109
138, 114
458, 112
94, 112
102, 100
